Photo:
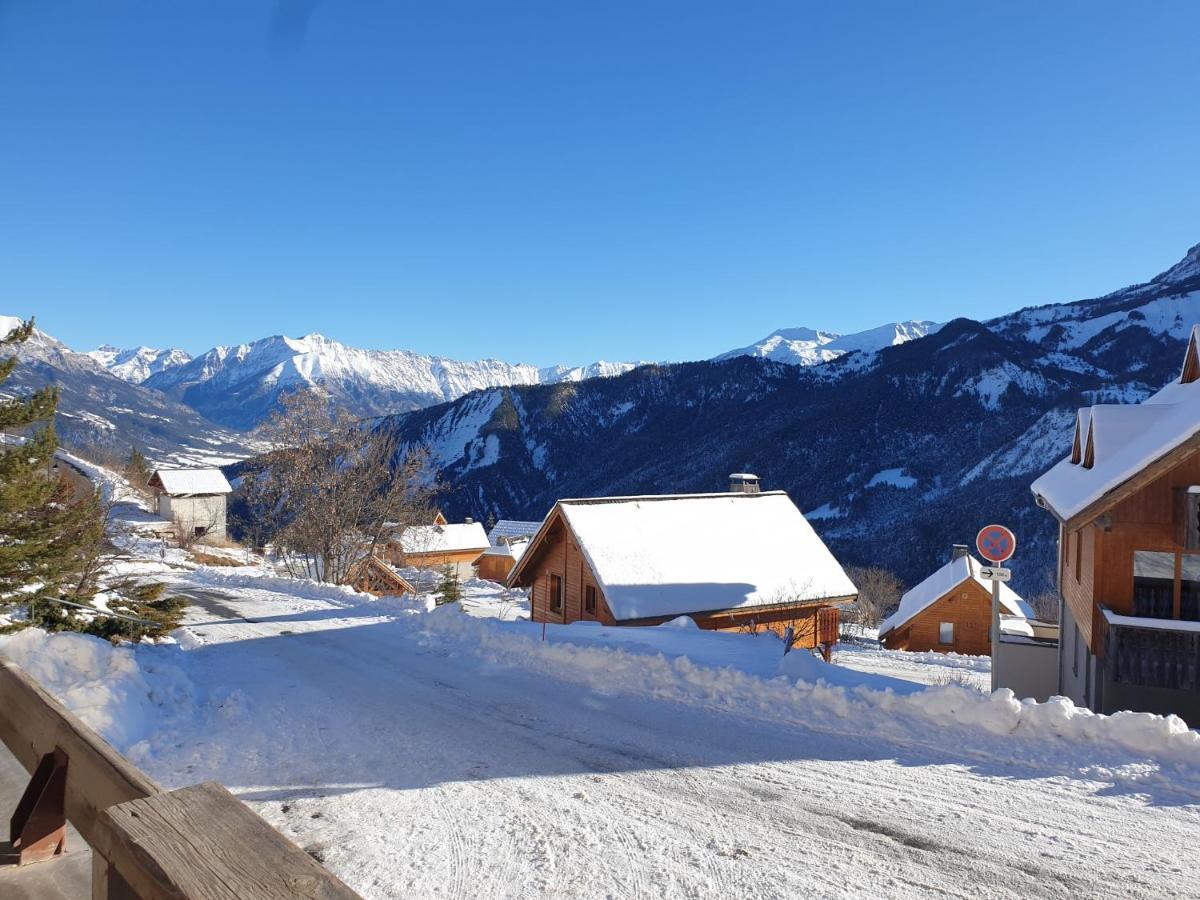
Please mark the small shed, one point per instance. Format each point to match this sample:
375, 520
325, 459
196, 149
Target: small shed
194, 499
496, 562
734, 561
950, 611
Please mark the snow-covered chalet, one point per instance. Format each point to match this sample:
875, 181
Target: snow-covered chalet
1127, 500
742, 560
950, 611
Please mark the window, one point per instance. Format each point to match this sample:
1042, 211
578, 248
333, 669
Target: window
200, 531
1189, 588
1077, 543
945, 632
589, 599
1153, 584
1075, 653
556, 593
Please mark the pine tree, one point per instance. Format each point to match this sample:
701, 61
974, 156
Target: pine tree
448, 590
137, 470
43, 518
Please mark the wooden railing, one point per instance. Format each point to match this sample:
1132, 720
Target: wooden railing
196, 842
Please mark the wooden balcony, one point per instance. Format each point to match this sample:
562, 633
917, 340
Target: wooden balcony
1160, 653
146, 842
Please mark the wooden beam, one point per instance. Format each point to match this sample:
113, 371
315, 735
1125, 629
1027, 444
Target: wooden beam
202, 843
32, 724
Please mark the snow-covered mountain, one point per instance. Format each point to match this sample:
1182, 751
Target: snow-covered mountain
138, 364
809, 347
239, 386
101, 414
927, 440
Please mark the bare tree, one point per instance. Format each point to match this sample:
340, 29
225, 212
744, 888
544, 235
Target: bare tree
879, 591
331, 490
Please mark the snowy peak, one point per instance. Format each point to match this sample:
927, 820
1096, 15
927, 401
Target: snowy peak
239, 386
1187, 269
138, 364
808, 347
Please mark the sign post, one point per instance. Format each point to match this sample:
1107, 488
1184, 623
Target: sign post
996, 544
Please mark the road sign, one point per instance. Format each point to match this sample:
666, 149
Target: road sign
996, 543
995, 573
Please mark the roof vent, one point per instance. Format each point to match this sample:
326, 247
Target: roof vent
958, 551
743, 483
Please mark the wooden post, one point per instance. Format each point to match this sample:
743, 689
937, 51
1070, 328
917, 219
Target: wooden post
38, 828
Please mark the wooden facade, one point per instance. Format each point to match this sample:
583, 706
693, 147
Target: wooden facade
1096, 559
1129, 552
494, 566
563, 589
967, 608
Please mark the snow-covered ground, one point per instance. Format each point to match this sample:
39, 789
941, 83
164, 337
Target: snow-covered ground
455, 752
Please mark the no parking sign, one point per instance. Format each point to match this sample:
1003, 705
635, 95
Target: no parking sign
996, 543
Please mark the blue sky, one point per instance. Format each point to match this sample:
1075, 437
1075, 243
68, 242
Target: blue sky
563, 181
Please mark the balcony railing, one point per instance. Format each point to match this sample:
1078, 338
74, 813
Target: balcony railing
1150, 652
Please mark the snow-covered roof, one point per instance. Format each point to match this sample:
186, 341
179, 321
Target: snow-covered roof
942, 582
188, 482
679, 554
507, 529
443, 538
1119, 441
513, 550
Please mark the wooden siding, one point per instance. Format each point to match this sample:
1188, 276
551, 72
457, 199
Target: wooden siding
968, 606
1144, 520
393, 553
494, 568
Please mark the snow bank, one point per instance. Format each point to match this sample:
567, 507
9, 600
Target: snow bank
119, 693
219, 577
814, 693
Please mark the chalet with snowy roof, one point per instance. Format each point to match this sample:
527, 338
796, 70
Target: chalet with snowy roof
497, 562
440, 544
735, 561
951, 611
1127, 500
194, 499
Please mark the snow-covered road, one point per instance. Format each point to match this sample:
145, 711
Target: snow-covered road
414, 769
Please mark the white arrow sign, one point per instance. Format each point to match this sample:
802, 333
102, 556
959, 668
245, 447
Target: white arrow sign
995, 573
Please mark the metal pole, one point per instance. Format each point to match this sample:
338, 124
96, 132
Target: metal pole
995, 627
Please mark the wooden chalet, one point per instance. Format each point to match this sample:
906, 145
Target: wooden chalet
1127, 500
950, 611
496, 563
734, 561
437, 545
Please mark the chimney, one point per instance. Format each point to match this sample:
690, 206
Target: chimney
469, 520
958, 551
743, 483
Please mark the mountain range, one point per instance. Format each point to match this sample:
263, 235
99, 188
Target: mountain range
104, 416
897, 441
895, 454
238, 386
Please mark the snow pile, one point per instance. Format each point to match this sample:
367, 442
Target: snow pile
812, 692
118, 692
